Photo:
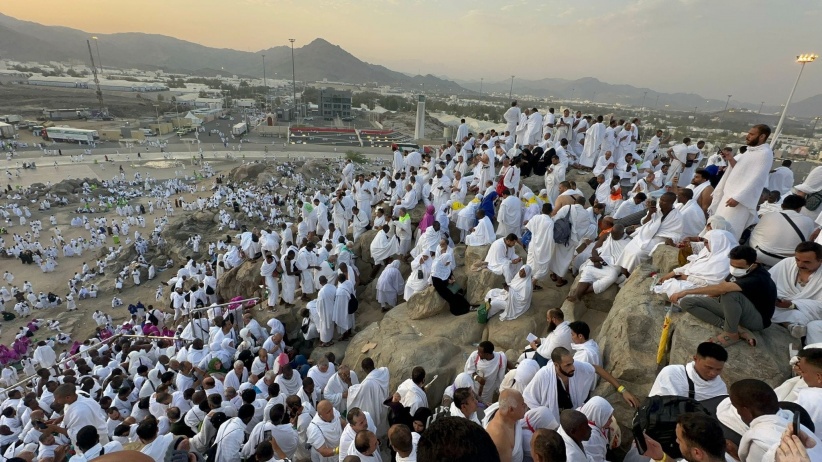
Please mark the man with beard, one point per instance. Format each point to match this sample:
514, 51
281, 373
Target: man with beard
559, 335
736, 196
562, 384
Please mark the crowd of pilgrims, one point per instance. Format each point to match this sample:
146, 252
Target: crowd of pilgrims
191, 379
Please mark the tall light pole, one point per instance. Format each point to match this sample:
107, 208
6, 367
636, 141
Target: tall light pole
481, 79
511, 91
265, 85
802, 60
657, 102
726, 103
644, 94
813, 129
97, 45
293, 76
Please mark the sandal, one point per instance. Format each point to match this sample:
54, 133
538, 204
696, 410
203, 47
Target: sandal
724, 340
561, 282
554, 277
747, 336
536, 287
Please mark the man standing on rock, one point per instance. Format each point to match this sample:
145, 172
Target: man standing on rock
267, 271
487, 369
737, 194
326, 311
369, 394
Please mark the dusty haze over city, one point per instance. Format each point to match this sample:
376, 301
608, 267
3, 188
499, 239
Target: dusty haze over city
740, 47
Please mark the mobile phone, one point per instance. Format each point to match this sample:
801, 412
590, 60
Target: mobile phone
639, 439
796, 423
41, 425
266, 435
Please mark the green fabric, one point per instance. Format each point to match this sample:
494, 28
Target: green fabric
482, 314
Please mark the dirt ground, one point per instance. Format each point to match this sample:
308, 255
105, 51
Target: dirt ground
79, 323
29, 101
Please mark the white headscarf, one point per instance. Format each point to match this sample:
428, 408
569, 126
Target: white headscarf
525, 372
519, 295
712, 262
598, 411
540, 417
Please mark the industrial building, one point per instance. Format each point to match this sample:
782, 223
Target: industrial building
334, 103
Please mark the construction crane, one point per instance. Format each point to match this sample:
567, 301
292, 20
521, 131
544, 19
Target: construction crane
96, 81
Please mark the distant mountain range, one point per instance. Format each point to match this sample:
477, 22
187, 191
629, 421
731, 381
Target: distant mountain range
591, 89
318, 60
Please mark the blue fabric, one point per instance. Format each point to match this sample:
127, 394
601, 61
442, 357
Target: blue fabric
487, 205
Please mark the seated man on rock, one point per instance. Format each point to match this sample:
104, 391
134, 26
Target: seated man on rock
502, 259
566, 384
778, 233
798, 282
743, 302
710, 266
559, 335
601, 271
704, 371
482, 233
659, 226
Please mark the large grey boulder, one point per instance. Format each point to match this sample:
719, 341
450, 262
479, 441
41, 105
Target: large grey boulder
441, 344
479, 283
426, 304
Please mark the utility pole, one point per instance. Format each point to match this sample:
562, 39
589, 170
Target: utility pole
511, 91
265, 84
726, 103
293, 76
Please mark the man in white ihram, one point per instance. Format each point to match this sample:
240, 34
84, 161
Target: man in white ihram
511, 117
412, 391
323, 433
664, 225
577, 380
502, 259
370, 393
487, 368
462, 132
737, 194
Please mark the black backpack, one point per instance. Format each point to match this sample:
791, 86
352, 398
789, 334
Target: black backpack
353, 304
562, 229
658, 415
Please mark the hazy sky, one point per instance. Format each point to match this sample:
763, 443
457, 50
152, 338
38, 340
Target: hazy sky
712, 47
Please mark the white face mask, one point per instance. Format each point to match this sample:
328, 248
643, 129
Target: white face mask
739, 272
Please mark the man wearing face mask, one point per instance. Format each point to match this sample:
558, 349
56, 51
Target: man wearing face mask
744, 301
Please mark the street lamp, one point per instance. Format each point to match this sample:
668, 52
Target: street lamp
293, 76
511, 91
802, 60
481, 79
97, 45
265, 85
726, 103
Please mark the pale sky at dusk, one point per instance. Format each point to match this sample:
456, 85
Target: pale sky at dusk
715, 48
